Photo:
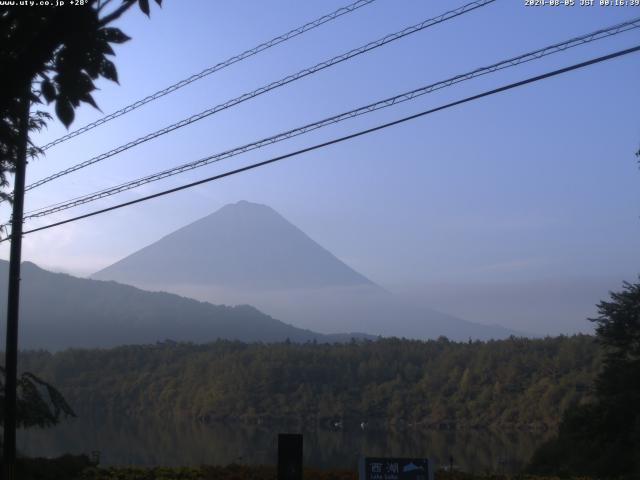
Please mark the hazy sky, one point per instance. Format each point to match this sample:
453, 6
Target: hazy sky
520, 209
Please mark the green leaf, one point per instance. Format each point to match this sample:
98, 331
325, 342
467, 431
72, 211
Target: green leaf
114, 35
87, 98
64, 111
103, 47
83, 84
108, 70
144, 6
92, 64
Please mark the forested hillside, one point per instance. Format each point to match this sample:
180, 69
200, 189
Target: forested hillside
515, 383
60, 311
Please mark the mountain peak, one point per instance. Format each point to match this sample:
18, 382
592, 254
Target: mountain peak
245, 205
242, 245
244, 208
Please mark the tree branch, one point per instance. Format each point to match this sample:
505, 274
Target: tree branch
117, 13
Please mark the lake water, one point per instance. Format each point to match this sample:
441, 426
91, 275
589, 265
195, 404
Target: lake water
156, 442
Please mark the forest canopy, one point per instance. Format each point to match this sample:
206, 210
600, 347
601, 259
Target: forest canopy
515, 383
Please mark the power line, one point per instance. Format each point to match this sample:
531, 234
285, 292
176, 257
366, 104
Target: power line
342, 139
264, 89
217, 67
388, 102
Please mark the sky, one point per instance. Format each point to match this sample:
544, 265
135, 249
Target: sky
520, 209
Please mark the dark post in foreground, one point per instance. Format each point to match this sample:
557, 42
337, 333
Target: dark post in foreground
13, 304
289, 456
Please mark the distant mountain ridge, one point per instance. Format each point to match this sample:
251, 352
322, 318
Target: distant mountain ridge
60, 311
247, 253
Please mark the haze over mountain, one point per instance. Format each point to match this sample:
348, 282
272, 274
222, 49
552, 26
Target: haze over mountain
60, 311
247, 253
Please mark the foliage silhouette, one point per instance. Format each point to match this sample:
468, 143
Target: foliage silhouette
53, 55
56, 54
603, 437
39, 403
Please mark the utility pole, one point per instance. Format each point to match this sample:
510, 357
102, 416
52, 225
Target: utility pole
13, 305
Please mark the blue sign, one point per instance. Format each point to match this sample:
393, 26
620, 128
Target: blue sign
373, 468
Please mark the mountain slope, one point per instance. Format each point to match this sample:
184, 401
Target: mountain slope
246, 253
60, 311
242, 246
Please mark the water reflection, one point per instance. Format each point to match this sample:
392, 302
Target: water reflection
155, 442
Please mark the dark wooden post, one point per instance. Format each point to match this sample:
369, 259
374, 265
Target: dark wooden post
13, 305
